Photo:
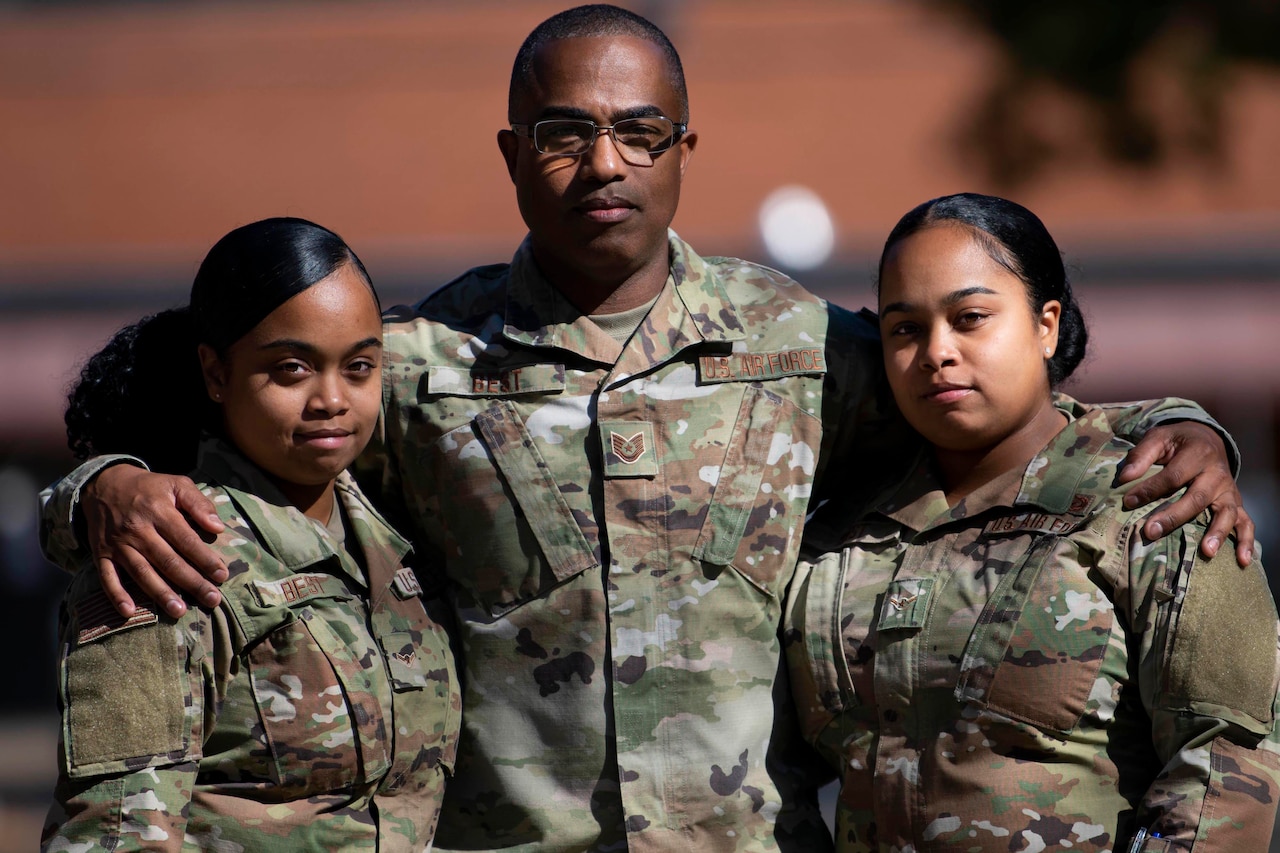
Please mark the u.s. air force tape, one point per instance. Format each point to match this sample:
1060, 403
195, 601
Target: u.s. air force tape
740, 366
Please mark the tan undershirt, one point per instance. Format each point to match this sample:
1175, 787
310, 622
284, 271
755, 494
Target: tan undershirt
623, 325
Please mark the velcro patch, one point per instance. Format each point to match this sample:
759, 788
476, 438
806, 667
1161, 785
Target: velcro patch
750, 366
1224, 644
97, 617
405, 584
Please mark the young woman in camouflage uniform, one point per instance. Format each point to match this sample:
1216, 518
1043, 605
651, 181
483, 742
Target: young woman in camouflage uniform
993, 657
317, 707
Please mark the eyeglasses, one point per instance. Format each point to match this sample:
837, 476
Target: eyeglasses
637, 139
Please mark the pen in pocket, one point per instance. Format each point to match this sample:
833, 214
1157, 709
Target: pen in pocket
1135, 846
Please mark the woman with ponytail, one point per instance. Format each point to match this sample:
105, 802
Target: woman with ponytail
992, 655
316, 706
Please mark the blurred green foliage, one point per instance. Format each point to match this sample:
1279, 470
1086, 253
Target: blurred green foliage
1146, 78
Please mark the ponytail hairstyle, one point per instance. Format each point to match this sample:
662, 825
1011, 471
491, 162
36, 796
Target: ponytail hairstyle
143, 394
1017, 240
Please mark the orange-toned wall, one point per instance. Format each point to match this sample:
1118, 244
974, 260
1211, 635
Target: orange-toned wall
132, 135
152, 128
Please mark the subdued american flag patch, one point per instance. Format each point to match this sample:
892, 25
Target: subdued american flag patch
97, 617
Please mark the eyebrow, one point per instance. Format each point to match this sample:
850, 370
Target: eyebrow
951, 299
643, 111
303, 346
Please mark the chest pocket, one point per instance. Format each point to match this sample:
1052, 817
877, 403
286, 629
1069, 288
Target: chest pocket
427, 701
316, 680
762, 493
513, 534
1035, 654
831, 618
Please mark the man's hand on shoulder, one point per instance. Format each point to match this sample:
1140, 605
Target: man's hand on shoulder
142, 522
1194, 456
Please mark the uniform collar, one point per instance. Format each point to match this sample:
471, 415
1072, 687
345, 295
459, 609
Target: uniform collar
292, 538
693, 307
1063, 478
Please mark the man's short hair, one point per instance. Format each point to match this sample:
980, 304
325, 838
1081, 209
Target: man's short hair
597, 19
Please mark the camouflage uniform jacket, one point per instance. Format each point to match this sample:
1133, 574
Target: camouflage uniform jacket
618, 525
316, 709
1024, 672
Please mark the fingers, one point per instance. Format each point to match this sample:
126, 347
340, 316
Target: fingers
179, 554
1148, 452
138, 522
1244, 538
198, 508
150, 584
1220, 526
1176, 514
110, 580
1159, 485
1229, 515
1222, 497
1190, 463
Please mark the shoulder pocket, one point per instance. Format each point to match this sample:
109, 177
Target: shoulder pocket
1036, 651
427, 701
1221, 659
831, 612
815, 656
125, 692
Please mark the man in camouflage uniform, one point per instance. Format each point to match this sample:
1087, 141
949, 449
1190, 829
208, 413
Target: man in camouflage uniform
612, 444
1025, 672
316, 709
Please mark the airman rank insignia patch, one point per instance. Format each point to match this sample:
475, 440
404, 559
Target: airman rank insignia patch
753, 366
628, 449
906, 603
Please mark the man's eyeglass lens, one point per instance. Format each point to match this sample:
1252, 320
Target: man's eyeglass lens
637, 139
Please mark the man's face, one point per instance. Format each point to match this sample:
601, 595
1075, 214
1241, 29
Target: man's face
596, 217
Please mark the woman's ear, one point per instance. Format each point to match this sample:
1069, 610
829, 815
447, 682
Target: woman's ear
214, 371
1050, 314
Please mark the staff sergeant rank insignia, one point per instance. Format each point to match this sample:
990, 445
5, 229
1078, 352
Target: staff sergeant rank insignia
748, 366
629, 449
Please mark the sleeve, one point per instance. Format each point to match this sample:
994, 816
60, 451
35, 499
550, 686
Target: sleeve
131, 696
1133, 420
58, 502
862, 431
376, 469
1208, 679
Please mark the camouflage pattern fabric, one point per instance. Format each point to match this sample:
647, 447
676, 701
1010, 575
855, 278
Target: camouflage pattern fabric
1024, 672
618, 524
316, 709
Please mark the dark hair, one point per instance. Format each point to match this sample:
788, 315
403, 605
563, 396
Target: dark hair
591, 21
1017, 240
143, 394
